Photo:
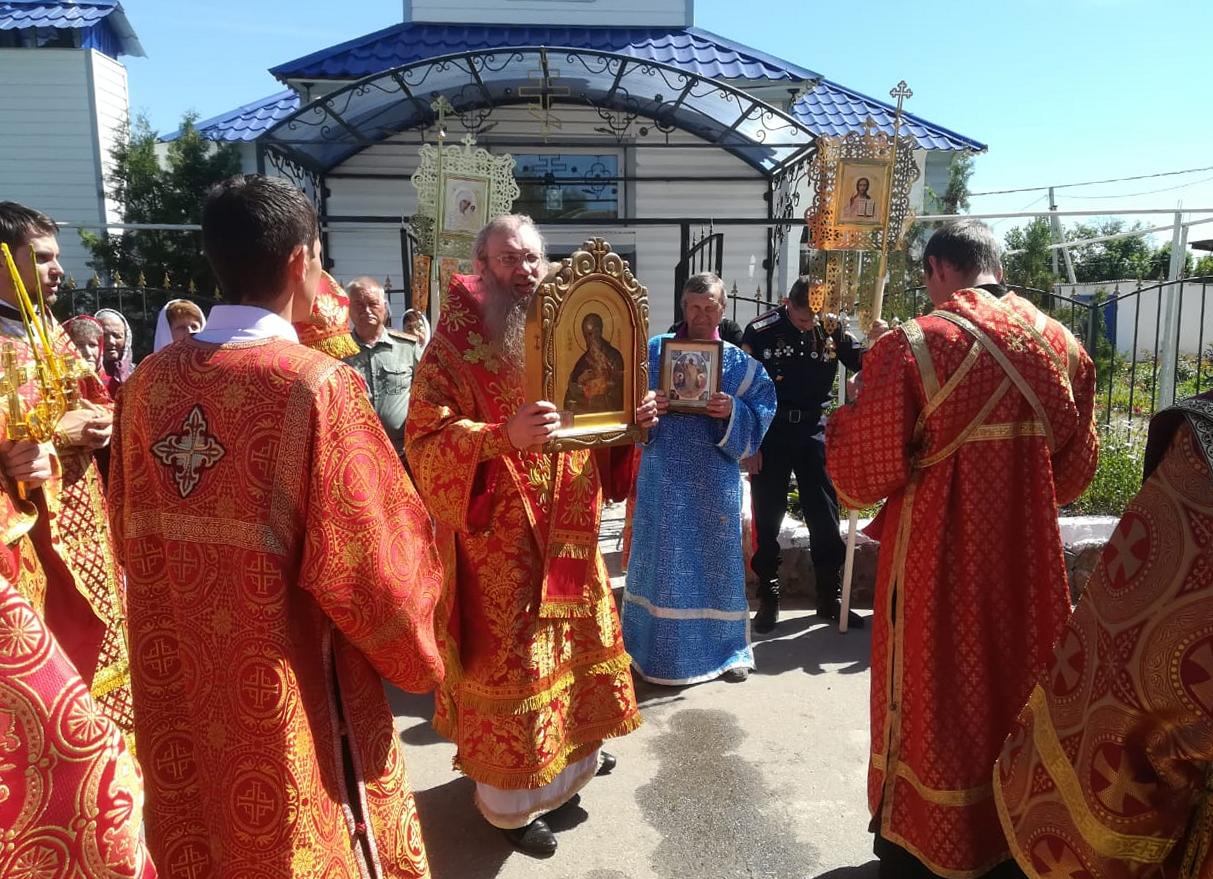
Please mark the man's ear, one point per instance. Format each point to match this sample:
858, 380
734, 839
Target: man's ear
296, 264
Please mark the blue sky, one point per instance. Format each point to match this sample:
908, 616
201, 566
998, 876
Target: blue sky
1062, 90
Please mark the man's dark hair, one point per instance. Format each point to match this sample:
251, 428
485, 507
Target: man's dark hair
799, 294
969, 245
18, 224
250, 226
706, 284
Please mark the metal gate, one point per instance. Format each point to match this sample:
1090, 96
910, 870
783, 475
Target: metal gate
702, 254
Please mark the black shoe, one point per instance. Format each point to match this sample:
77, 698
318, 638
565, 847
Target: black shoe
767, 616
606, 762
737, 675
535, 839
832, 611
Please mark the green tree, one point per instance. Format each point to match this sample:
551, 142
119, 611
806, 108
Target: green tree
1032, 266
1204, 267
955, 198
1159, 265
169, 191
1128, 257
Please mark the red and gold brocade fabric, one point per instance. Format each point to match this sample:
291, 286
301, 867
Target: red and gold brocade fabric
1103, 774
976, 423
279, 562
71, 798
530, 688
73, 544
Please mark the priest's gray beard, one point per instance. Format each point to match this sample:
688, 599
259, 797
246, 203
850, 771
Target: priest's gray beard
505, 319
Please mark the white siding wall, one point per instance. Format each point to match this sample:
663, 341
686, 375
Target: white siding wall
49, 156
638, 13
112, 111
375, 250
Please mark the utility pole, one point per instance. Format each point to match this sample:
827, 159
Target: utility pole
1059, 238
1168, 341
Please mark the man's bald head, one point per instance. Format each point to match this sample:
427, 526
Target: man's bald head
368, 307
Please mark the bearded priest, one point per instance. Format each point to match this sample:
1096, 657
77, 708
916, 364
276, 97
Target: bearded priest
529, 633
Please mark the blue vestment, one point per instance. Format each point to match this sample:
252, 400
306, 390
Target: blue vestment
685, 615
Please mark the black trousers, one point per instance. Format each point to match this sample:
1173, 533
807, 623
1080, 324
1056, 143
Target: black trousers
897, 863
795, 448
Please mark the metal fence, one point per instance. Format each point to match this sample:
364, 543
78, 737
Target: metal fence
138, 304
1142, 358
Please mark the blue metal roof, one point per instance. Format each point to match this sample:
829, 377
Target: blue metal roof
699, 51
835, 110
78, 14
826, 109
245, 124
326, 132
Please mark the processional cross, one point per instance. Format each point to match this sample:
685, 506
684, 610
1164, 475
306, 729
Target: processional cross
542, 109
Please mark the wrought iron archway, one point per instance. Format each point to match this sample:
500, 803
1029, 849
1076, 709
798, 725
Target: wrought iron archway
621, 89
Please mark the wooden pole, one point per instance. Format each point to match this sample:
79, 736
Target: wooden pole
901, 92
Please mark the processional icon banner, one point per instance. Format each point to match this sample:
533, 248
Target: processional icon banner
460, 187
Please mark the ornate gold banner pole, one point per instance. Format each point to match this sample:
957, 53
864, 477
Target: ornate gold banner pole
901, 92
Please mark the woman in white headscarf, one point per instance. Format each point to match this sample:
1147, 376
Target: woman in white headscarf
119, 357
179, 318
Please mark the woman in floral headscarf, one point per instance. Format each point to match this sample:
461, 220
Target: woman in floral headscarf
89, 338
119, 361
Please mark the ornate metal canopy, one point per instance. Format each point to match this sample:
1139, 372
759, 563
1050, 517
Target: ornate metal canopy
622, 89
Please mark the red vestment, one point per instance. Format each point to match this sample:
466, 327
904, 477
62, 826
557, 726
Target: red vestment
279, 562
1108, 773
80, 588
537, 675
71, 799
975, 422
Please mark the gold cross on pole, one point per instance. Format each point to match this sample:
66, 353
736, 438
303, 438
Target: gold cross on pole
902, 93
545, 91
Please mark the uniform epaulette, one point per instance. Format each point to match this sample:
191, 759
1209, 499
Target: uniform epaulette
765, 320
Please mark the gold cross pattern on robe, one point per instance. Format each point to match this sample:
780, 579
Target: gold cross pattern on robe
189, 452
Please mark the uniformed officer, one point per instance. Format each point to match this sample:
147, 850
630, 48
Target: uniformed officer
800, 356
385, 360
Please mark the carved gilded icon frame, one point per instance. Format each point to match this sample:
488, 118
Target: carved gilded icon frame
587, 348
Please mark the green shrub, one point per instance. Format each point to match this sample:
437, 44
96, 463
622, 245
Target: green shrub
1118, 474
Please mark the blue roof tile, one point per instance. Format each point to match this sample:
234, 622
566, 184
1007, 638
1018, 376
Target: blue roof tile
705, 53
247, 123
25, 14
827, 109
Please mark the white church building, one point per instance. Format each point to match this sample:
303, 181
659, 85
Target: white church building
683, 148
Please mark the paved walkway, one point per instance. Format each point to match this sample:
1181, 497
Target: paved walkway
760, 779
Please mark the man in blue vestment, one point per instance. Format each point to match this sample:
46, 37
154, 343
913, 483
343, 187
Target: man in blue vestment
685, 616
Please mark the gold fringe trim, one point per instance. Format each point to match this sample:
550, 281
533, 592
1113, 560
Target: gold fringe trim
339, 346
572, 551
566, 610
1108, 842
534, 701
587, 740
110, 678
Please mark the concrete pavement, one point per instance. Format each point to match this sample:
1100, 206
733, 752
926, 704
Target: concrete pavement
761, 779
